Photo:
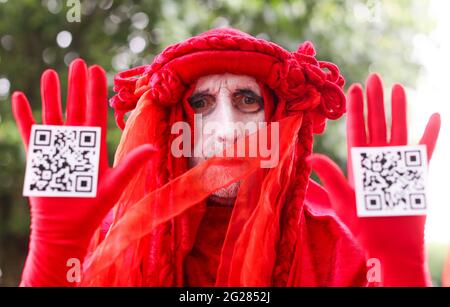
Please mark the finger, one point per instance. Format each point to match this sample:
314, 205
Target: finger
120, 176
356, 127
399, 125
97, 104
341, 194
22, 114
97, 107
376, 115
51, 98
431, 134
76, 97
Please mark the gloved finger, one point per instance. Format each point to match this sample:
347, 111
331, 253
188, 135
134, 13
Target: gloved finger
97, 103
77, 93
431, 134
376, 115
51, 98
341, 194
22, 114
119, 177
356, 126
97, 107
399, 126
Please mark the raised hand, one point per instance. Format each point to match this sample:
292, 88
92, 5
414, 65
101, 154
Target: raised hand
61, 227
398, 242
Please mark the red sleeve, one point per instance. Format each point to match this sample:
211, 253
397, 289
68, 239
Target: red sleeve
326, 253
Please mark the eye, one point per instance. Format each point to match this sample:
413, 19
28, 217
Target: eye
247, 101
202, 103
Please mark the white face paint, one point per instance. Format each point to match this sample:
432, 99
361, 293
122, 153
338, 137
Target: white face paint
225, 100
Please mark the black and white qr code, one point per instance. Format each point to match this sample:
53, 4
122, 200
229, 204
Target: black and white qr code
390, 181
62, 161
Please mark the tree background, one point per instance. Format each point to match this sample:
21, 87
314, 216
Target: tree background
361, 36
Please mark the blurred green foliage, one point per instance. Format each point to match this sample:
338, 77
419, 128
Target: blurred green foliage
360, 36
436, 253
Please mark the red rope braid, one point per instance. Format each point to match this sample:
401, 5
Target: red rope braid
293, 207
125, 99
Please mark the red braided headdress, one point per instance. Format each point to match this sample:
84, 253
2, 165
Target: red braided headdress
305, 83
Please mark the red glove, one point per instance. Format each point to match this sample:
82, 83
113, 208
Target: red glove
397, 242
61, 227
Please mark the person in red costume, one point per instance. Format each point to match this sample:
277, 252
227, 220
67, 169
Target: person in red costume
209, 220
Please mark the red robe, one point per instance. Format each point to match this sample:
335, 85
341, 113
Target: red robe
326, 253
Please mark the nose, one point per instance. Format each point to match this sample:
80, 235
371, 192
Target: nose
228, 133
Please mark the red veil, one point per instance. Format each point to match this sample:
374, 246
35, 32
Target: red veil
281, 230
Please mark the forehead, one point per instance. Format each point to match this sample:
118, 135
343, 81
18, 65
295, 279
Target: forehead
213, 83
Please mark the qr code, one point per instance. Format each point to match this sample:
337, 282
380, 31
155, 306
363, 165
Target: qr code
390, 181
62, 161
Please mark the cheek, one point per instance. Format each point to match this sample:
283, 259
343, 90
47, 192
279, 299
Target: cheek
203, 143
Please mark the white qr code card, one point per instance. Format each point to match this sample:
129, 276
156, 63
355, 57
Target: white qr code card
390, 181
62, 161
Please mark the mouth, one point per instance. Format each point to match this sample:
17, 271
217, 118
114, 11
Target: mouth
215, 200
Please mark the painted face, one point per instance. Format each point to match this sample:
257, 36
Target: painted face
229, 103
